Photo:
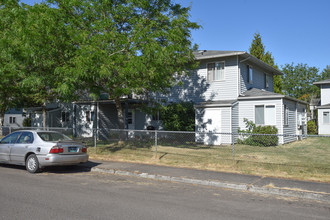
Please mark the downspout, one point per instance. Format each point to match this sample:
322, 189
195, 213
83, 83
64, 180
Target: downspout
238, 77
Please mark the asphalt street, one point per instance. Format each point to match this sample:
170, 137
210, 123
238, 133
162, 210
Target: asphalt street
76, 193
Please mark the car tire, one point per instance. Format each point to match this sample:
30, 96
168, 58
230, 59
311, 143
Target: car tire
32, 164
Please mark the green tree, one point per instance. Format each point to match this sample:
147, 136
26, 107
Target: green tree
10, 55
325, 74
48, 48
257, 49
298, 81
126, 46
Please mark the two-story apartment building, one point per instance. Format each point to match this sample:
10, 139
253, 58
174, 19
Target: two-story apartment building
227, 87
232, 85
324, 109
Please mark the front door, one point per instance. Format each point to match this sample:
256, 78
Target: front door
212, 121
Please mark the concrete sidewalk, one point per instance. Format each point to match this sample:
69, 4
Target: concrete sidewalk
258, 184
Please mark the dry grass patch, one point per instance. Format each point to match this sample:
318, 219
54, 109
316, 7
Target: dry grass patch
306, 160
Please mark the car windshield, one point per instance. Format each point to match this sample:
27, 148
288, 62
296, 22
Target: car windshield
52, 136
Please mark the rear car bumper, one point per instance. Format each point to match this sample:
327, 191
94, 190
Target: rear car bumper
61, 159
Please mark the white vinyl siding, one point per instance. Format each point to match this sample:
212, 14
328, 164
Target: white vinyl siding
291, 127
324, 121
325, 94
247, 110
196, 87
258, 79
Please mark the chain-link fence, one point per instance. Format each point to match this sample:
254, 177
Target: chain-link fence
245, 151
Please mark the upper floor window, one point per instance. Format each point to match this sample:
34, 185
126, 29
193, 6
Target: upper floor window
267, 80
216, 71
250, 74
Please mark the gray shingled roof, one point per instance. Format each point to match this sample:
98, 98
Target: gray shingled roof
207, 54
327, 81
245, 57
259, 93
255, 93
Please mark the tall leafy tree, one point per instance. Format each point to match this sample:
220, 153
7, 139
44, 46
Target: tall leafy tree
325, 74
47, 47
257, 49
126, 46
298, 81
11, 58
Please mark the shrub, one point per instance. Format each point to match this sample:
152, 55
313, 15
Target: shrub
178, 116
27, 122
259, 140
311, 127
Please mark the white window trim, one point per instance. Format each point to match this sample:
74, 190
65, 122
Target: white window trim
12, 120
265, 105
224, 71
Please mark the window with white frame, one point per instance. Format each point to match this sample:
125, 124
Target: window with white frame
12, 120
249, 74
216, 71
286, 115
265, 115
326, 118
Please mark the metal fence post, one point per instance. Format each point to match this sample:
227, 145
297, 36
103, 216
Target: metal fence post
95, 139
233, 141
156, 141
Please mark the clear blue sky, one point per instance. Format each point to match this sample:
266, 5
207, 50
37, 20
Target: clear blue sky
292, 30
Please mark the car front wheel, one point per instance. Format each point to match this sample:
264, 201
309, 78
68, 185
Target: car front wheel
32, 164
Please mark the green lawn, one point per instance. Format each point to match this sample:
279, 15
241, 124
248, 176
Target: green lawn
306, 160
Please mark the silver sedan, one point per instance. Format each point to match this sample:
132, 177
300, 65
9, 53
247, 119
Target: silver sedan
38, 149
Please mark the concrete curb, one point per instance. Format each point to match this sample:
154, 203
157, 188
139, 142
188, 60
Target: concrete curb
304, 194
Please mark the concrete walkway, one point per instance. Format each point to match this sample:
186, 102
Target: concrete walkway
257, 184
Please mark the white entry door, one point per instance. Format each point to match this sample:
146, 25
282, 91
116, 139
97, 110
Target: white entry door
212, 120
